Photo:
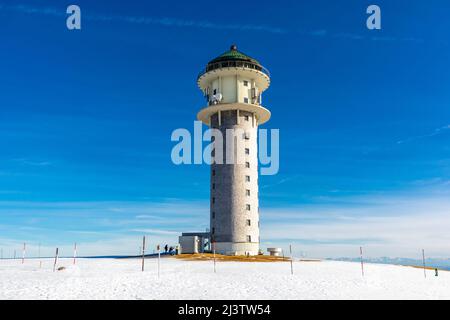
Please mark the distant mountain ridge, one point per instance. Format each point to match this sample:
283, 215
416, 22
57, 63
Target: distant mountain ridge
430, 262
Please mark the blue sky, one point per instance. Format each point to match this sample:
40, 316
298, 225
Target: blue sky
86, 118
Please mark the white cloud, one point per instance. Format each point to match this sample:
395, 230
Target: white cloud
386, 226
393, 225
435, 132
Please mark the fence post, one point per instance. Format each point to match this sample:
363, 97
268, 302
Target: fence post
292, 265
159, 259
56, 260
23, 253
424, 267
143, 254
39, 255
75, 254
214, 255
362, 261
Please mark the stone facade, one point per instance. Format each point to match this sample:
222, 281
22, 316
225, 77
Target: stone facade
234, 187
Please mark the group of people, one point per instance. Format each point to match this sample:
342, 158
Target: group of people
170, 250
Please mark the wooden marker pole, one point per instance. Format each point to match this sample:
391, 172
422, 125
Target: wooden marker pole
292, 265
362, 261
56, 259
39, 256
75, 254
23, 252
214, 256
159, 260
143, 254
424, 267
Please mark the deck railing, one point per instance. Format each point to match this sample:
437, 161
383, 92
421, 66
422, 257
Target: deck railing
234, 64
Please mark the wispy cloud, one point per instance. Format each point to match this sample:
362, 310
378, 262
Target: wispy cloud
188, 23
436, 132
396, 224
280, 182
146, 20
388, 226
28, 162
156, 231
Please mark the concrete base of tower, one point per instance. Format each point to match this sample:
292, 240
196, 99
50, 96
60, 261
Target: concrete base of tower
237, 248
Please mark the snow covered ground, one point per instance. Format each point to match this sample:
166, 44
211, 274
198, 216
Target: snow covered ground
180, 279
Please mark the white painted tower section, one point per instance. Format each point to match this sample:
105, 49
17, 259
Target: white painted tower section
233, 84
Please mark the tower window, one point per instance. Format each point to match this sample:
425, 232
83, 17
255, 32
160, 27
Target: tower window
247, 136
247, 164
249, 223
247, 207
247, 151
249, 238
213, 186
247, 193
213, 200
213, 214
245, 100
247, 178
213, 230
214, 172
246, 118
245, 83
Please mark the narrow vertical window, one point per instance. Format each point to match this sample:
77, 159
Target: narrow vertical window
249, 223
247, 178
249, 238
247, 151
247, 193
247, 207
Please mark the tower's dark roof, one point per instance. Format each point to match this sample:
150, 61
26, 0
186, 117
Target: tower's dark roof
234, 55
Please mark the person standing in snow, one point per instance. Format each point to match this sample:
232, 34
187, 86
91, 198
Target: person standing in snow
166, 248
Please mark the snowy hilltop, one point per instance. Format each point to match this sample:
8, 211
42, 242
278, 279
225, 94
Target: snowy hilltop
184, 279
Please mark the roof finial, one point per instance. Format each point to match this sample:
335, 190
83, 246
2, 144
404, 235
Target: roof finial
233, 47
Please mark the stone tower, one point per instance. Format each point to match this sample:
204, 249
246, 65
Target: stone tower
232, 84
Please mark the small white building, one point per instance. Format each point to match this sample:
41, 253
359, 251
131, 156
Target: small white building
194, 242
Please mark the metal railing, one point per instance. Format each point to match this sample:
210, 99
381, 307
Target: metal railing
234, 64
